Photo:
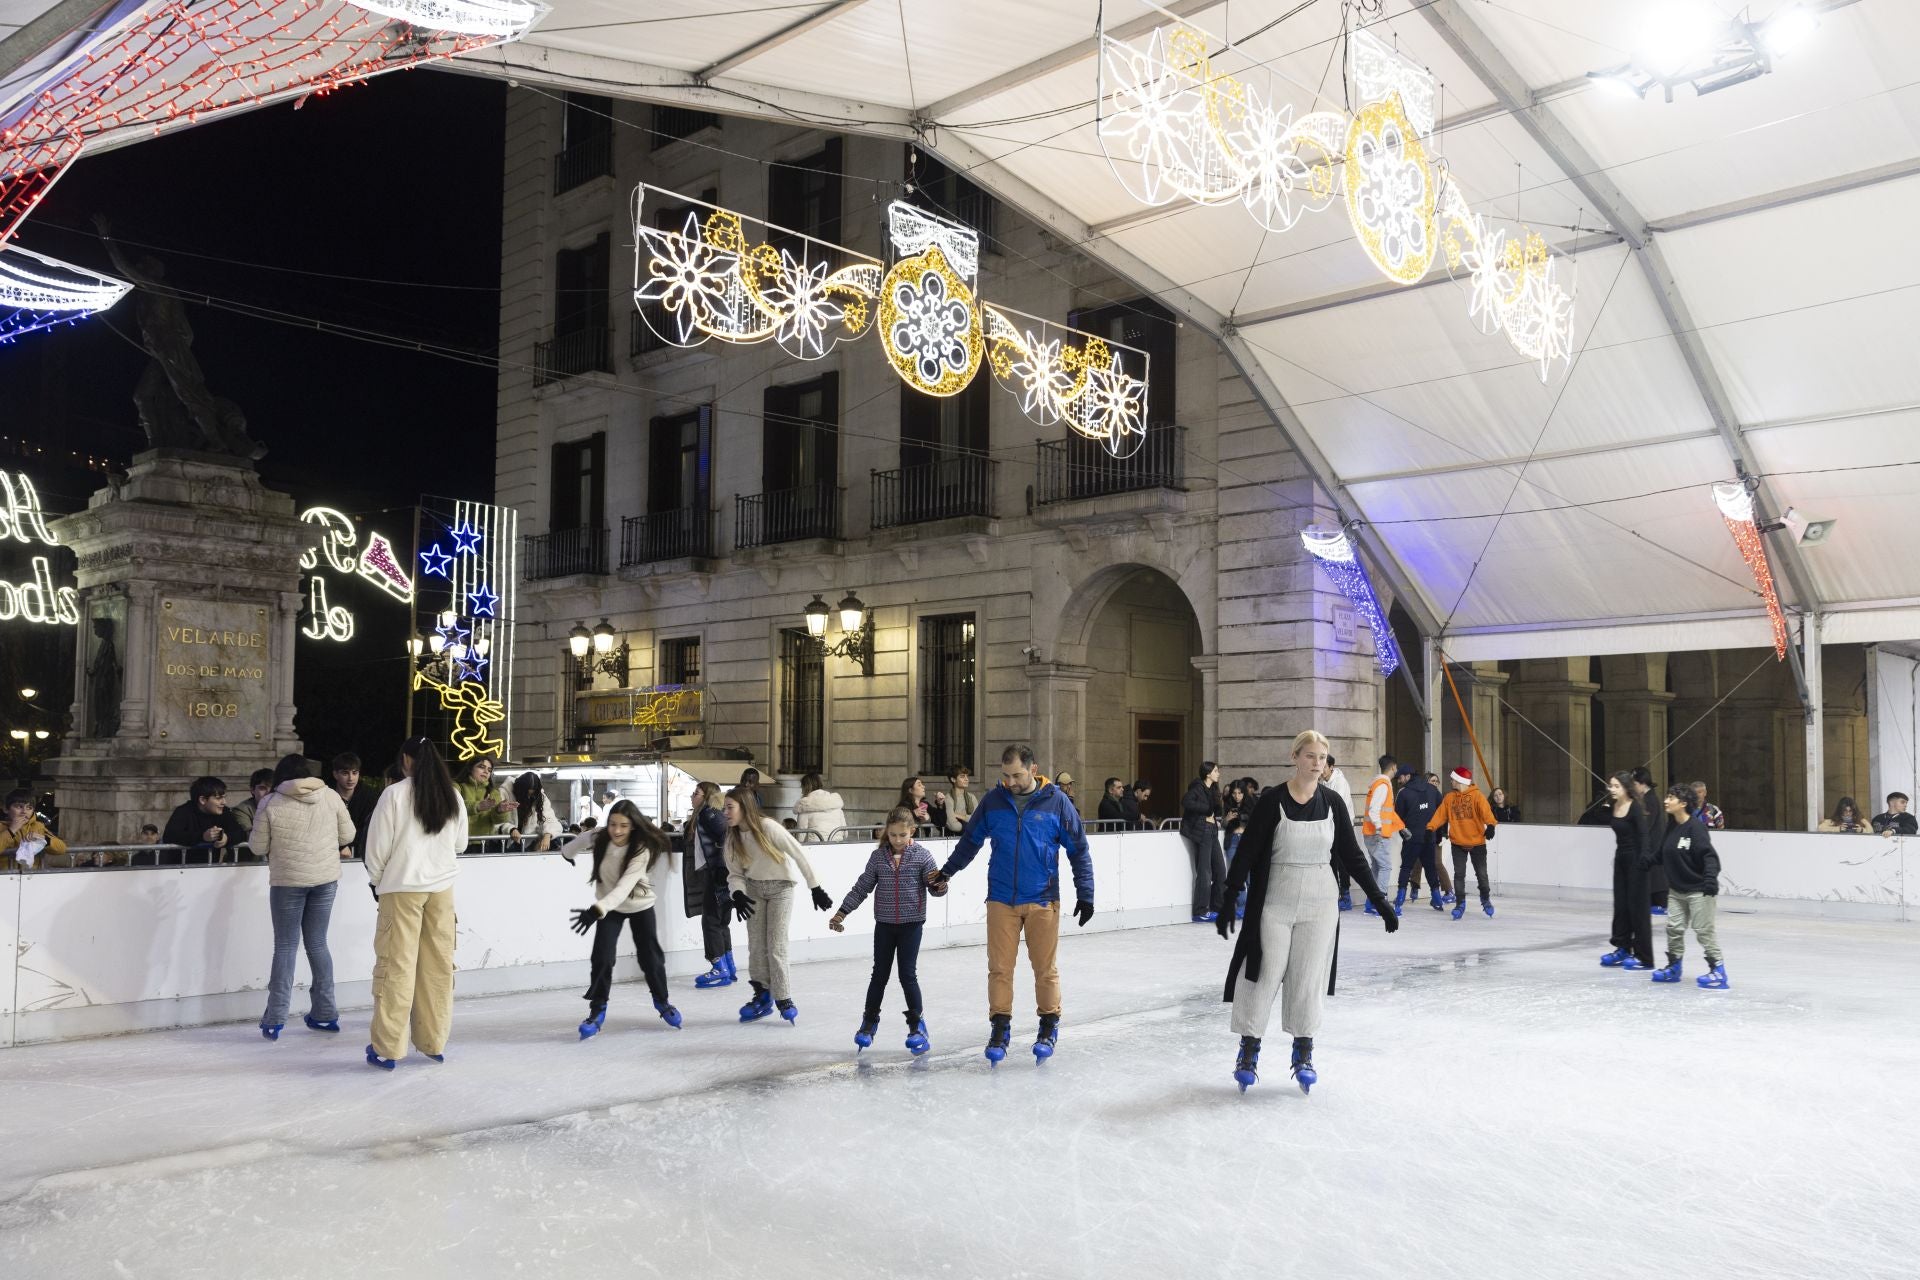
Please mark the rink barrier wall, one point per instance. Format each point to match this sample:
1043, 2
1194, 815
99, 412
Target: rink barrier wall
102, 952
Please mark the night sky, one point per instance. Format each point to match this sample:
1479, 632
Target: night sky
376, 208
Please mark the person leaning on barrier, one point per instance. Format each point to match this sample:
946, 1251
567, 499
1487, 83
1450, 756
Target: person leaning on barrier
25, 841
1896, 821
1133, 803
1112, 801
819, 809
203, 826
259, 787
355, 794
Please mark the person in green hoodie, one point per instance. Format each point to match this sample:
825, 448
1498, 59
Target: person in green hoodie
487, 805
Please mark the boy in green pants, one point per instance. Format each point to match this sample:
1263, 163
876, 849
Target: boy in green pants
1693, 886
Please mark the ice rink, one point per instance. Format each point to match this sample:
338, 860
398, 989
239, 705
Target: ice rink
1491, 1104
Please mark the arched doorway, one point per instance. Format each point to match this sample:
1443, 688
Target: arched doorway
1145, 705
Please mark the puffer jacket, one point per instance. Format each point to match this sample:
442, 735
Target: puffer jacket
300, 829
821, 811
1024, 865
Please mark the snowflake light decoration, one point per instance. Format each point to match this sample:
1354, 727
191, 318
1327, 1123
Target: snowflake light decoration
929, 323
1513, 283
1336, 555
1390, 191
1077, 378
1379, 73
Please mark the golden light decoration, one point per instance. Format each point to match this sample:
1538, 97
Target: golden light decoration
929, 322
1077, 378
1390, 191
1513, 282
1736, 508
708, 280
473, 711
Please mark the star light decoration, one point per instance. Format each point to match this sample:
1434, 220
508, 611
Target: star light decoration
155, 65
1336, 555
482, 602
709, 280
434, 561
1172, 128
466, 539
1735, 501
38, 292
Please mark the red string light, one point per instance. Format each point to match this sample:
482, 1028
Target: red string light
1746, 536
176, 63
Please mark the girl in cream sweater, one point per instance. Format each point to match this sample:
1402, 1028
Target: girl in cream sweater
627, 852
761, 858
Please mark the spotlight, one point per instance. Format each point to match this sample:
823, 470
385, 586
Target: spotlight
1787, 30
1680, 36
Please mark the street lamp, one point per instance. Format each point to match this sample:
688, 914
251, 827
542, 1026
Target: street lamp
414, 646
29, 693
856, 627
605, 659
603, 637
579, 640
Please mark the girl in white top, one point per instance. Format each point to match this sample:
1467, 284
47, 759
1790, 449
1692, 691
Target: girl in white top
538, 825
761, 856
627, 853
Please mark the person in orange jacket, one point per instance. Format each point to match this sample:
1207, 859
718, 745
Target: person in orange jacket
1469, 822
1381, 823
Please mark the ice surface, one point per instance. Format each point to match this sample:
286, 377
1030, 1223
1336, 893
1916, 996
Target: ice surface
1492, 1104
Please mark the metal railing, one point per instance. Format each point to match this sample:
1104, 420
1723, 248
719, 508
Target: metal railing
563, 552
1073, 469
649, 321
585, 160
666, 535
670, 124
786, 515
571, 354
960, 485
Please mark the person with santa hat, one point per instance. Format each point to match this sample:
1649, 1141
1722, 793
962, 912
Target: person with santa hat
1469, 822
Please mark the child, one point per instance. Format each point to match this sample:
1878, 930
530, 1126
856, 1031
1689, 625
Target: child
761, 855
1693, 888
626, 853
898, 869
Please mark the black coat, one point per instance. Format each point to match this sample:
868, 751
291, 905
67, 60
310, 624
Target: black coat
188, 826
1130, 810
1253, 861
1415, 805
1200, 803
1114, 809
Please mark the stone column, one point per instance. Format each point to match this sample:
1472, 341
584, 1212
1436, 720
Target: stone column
1481, 685
1634, 692
1208, 665
1555, 782
194, 568
1059, 692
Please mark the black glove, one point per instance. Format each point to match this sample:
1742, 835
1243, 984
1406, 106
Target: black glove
1388, 916
585, 918
1489, 832
1713, 889
1083, 912
567, 856
742, 905
372, 890
821, 902
1224, 925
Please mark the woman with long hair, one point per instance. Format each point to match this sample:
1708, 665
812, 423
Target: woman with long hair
628, 851
487, 808
1647, 796
706, 885
418, 829
761, 856
913, 798
1200, 828
1287, 950
302, 828
539, 825
1504, 810
818, 809
1632, 824
1847, 819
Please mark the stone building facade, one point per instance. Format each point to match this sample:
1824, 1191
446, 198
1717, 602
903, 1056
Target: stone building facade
1127, 620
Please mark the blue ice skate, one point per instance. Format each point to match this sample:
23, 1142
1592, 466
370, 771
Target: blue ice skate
722, 974
595, 1020
436, 1057
1714, 979
1346, 902
1438, 904
918, 1042
1634, 964
273, 1032
1615, 958
1246, 1067
758, 1007
998, 1040
1400, 898
668, 1014
1669, 974
788, 1011
863, 1038
1487, 907
375, 1060
1659, 911
1458, 910
1048, 1038
1303, 1073
314, 1024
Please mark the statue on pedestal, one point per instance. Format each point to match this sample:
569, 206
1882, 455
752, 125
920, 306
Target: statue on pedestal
176, 409
103, 684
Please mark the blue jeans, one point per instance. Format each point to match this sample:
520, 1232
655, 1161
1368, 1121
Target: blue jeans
300, 914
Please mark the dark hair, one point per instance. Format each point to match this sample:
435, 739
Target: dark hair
749, 777
434, 799
954, 771
394, 772
1625, 778
1897, 795
206, 786
589, 823
345, 760
1846, 802
1331, 762
143, 830
1683, 793
530, 796
1644, 777
261, 777
645, 835
809, 783
1385, 761
897, 814
1141, 784
1108, 784
19, 795
468, 766
906, 800
1018, 751
290, 768
1207, 767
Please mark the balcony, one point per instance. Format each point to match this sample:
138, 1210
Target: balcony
946, 489
685, 534
589, 158
786, 515
670, 124
564, 552
572, 354
644, 338
1074, 469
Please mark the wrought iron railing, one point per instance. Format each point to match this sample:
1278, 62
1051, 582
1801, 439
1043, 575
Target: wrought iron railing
786, 515
563, 552
589, 158
571, 354
666, 535
1076, 468
648, 324
960, 485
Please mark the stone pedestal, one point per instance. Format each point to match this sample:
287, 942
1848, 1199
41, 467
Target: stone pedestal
189, 580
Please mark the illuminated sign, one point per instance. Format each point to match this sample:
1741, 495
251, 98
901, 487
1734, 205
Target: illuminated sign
21, 520
377, 563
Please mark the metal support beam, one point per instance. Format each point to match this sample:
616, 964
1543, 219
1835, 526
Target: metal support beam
1786, 198
1816, 721
1430, 677
765, 44
1548, 455
43, 32
1471, 43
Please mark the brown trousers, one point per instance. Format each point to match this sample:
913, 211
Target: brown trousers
413, 973
1040, 921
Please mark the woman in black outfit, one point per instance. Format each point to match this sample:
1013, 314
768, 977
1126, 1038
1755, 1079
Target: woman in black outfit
1503, 812
1647, 796
1632, 824
1200, 828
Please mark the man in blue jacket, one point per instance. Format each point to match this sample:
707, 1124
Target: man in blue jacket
1029, 822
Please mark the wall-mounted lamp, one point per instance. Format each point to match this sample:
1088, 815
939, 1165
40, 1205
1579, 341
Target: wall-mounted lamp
856, 627
607, 658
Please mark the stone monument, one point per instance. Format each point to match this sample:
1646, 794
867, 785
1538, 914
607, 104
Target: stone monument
189, 589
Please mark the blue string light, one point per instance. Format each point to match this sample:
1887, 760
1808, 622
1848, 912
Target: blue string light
1336, 555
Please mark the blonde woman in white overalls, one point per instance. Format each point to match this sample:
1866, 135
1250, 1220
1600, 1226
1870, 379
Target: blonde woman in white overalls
1285, 860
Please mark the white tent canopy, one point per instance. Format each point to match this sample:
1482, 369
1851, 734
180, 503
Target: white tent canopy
1741, 287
